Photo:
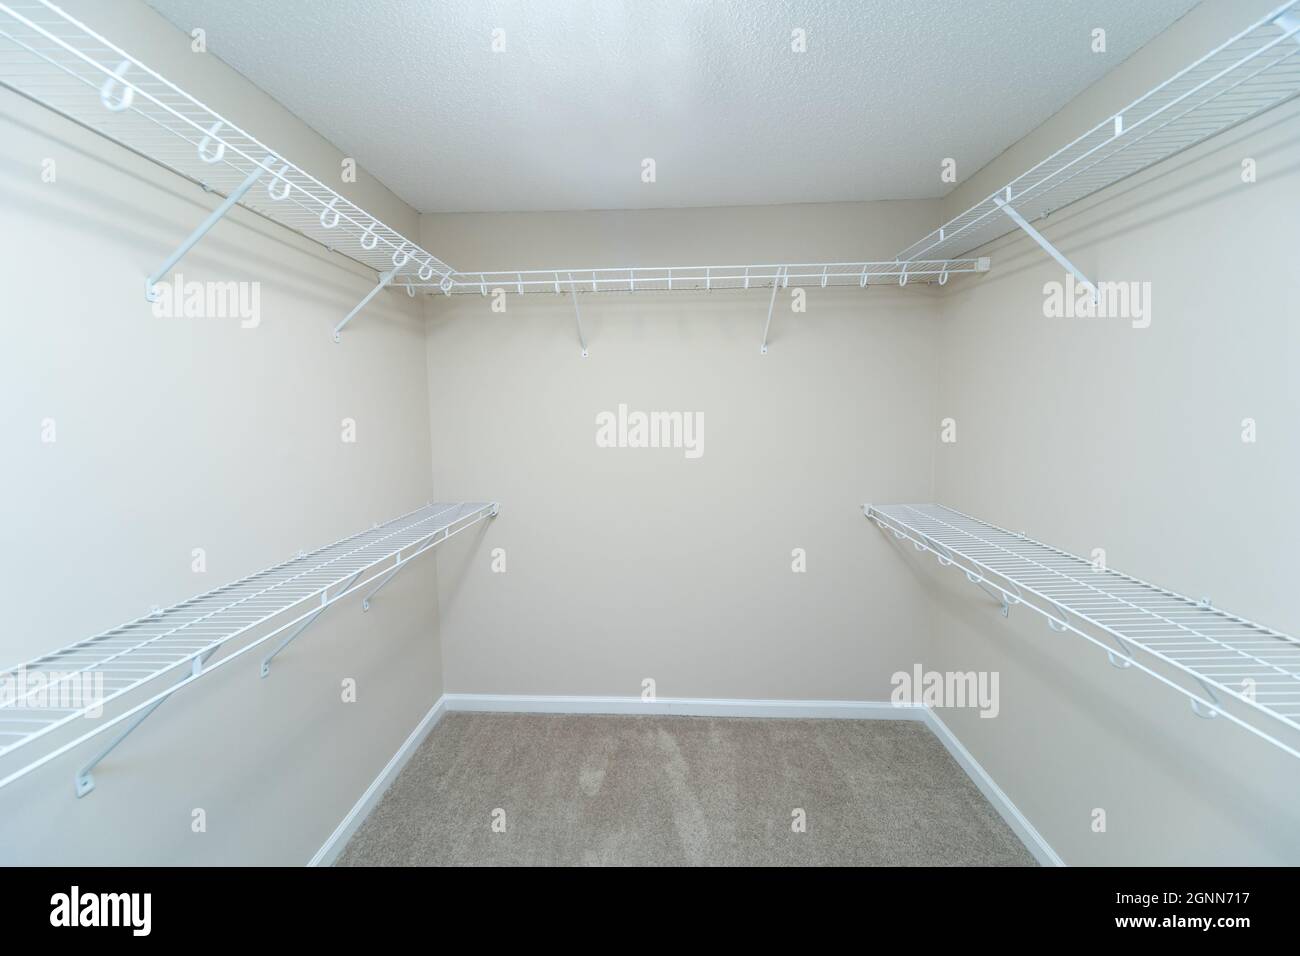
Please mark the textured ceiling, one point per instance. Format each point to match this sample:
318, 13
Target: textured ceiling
584, 91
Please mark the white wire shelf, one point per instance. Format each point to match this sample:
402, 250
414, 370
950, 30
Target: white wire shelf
1255, 70
59, 62
1220, 662
708, 278
135, 667
54, 59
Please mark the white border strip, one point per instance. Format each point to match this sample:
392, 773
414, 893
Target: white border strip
685, 706
332, 847
689, 707
1019, 823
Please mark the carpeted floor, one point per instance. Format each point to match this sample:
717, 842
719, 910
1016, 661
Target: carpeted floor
614, 790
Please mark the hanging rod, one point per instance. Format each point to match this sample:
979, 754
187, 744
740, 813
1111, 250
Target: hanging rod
1205, 654
154, 656
1254, 71
703, 278
53, 59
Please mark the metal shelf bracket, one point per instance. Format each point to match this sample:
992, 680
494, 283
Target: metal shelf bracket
771, 305
385, 280
206, 225
1202, 709
1004, 605
325, 602
84, 781
1050, 249
577, 316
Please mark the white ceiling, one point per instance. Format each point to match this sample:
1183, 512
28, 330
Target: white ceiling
586, 89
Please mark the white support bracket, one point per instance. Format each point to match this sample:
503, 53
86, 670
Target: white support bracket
392, 573
577, 316
84, 782
203, 228
385, 279
1203, 709
1050, 249
1121, 659
325, 601
1004, 606
400, 563
771, 305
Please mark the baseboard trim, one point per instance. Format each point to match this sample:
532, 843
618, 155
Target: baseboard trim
1019, 823
690, 707
332, 847
684, 706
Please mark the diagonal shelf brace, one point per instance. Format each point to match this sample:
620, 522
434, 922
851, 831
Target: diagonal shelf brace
577, 316
84, 782
385, 279
204, 227
388, 576
325, 602
1050, 249
400, 563
1004, 606
771, 306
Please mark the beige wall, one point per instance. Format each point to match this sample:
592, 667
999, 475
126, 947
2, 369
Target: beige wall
626, 564
1092, 434
174, 434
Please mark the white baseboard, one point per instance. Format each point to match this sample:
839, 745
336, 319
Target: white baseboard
691, 707
685, 706
332, 847
1019, 823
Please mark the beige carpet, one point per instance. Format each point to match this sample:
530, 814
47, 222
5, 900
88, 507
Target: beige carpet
606, 790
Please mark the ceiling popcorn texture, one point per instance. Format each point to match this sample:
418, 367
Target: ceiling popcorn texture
577, 95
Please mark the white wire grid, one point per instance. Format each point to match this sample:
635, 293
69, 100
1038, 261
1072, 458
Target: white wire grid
708, 278
1222, 656
52, 58
61, 63
1255, 70
175, 642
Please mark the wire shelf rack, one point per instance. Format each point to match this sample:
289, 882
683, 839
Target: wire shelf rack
124, 673
59, 62
1209, 656
708, 278
54, 59
1255, 70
